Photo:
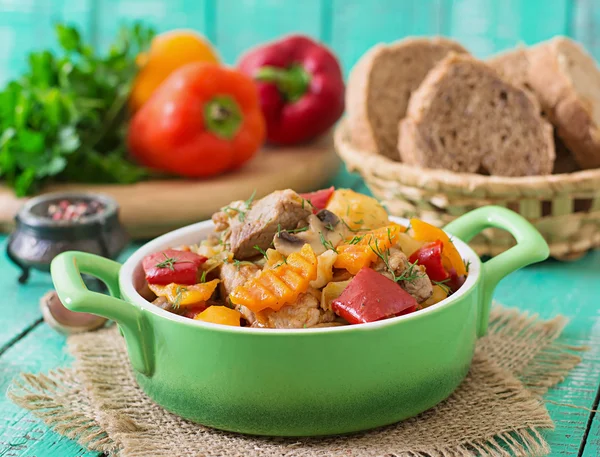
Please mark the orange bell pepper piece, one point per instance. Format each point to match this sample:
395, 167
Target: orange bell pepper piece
220, 315
168, 52
450, 256
359, 251
183, 295
275, 287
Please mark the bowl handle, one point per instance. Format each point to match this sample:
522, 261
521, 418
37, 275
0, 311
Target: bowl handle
530, 248
66, 269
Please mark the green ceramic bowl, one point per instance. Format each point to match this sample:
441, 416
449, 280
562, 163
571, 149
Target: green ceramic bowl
306, 381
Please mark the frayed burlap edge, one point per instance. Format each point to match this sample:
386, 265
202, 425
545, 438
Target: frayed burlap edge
106, 427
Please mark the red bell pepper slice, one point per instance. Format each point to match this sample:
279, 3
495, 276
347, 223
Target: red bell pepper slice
192, 312
171, 265
430, 256
371, 297
319, 198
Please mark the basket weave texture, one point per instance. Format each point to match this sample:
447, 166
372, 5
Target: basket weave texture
565, 208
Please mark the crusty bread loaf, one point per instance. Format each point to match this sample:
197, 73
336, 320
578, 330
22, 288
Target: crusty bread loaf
512, 65
465, 117
566, 80
380, 86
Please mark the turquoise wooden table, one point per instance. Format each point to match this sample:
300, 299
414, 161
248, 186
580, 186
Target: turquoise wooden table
550, 288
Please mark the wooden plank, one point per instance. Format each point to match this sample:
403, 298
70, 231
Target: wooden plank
21, 434
358, 25
241, 24
570, 289
585, 25
20, 310
163, 15
487, 26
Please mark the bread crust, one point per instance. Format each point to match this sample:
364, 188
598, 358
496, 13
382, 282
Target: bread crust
364, 120
456, 121
551, 76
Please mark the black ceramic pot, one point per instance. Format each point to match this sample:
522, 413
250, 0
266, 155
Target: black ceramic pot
38, 238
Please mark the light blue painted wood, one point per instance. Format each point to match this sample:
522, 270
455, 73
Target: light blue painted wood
163, 15
359, 25
586, 25
241, 24
488, 26
21, 434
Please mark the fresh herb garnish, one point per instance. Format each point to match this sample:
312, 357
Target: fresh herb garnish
467, 264
443, 285
298, 230
179, 290
170, 262
326, 243
203, 277
356, 239
359, 222
237, 263
350, 228
65, 118
408, 274
261, 250
330, 227
389, 234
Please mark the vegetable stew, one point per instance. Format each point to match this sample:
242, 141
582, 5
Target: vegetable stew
293, 260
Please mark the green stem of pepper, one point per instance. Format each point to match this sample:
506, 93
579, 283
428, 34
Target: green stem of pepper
292, 82
222, 116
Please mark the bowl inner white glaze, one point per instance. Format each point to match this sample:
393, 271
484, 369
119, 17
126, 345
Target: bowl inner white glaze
131, 279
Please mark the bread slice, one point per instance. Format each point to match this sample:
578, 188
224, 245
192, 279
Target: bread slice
566, 80
512, 65
380, 86
465, 117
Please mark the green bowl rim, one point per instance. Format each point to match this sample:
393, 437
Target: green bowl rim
132, 296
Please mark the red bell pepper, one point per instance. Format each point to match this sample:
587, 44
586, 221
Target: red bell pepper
430, 256
172, 266
319, 198
300, 85
370, 297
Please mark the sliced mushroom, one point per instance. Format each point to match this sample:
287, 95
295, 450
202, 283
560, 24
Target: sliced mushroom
325, 231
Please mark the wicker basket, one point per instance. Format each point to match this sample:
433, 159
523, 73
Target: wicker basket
565, 208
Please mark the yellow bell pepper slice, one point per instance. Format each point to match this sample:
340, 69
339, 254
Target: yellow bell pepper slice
220, 315
450, 256
185, 295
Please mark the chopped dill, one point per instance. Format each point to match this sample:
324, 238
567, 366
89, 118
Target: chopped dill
298, 230
467, 264
443, 285
389, 234
237, 263
326, 243
203, 277
261, 250
170, 262
178, 296
350, 228
356, 239
408, 274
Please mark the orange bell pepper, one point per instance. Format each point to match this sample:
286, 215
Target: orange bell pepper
184, 295
275, 287
168, 52
450, 256
220, 315
359, 251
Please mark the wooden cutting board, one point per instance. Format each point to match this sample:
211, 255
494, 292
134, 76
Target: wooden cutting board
151, 208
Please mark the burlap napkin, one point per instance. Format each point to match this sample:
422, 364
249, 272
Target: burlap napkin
497, 411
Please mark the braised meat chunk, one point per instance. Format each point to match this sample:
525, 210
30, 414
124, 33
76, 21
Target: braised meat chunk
417, 283
281, 210
304, 313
